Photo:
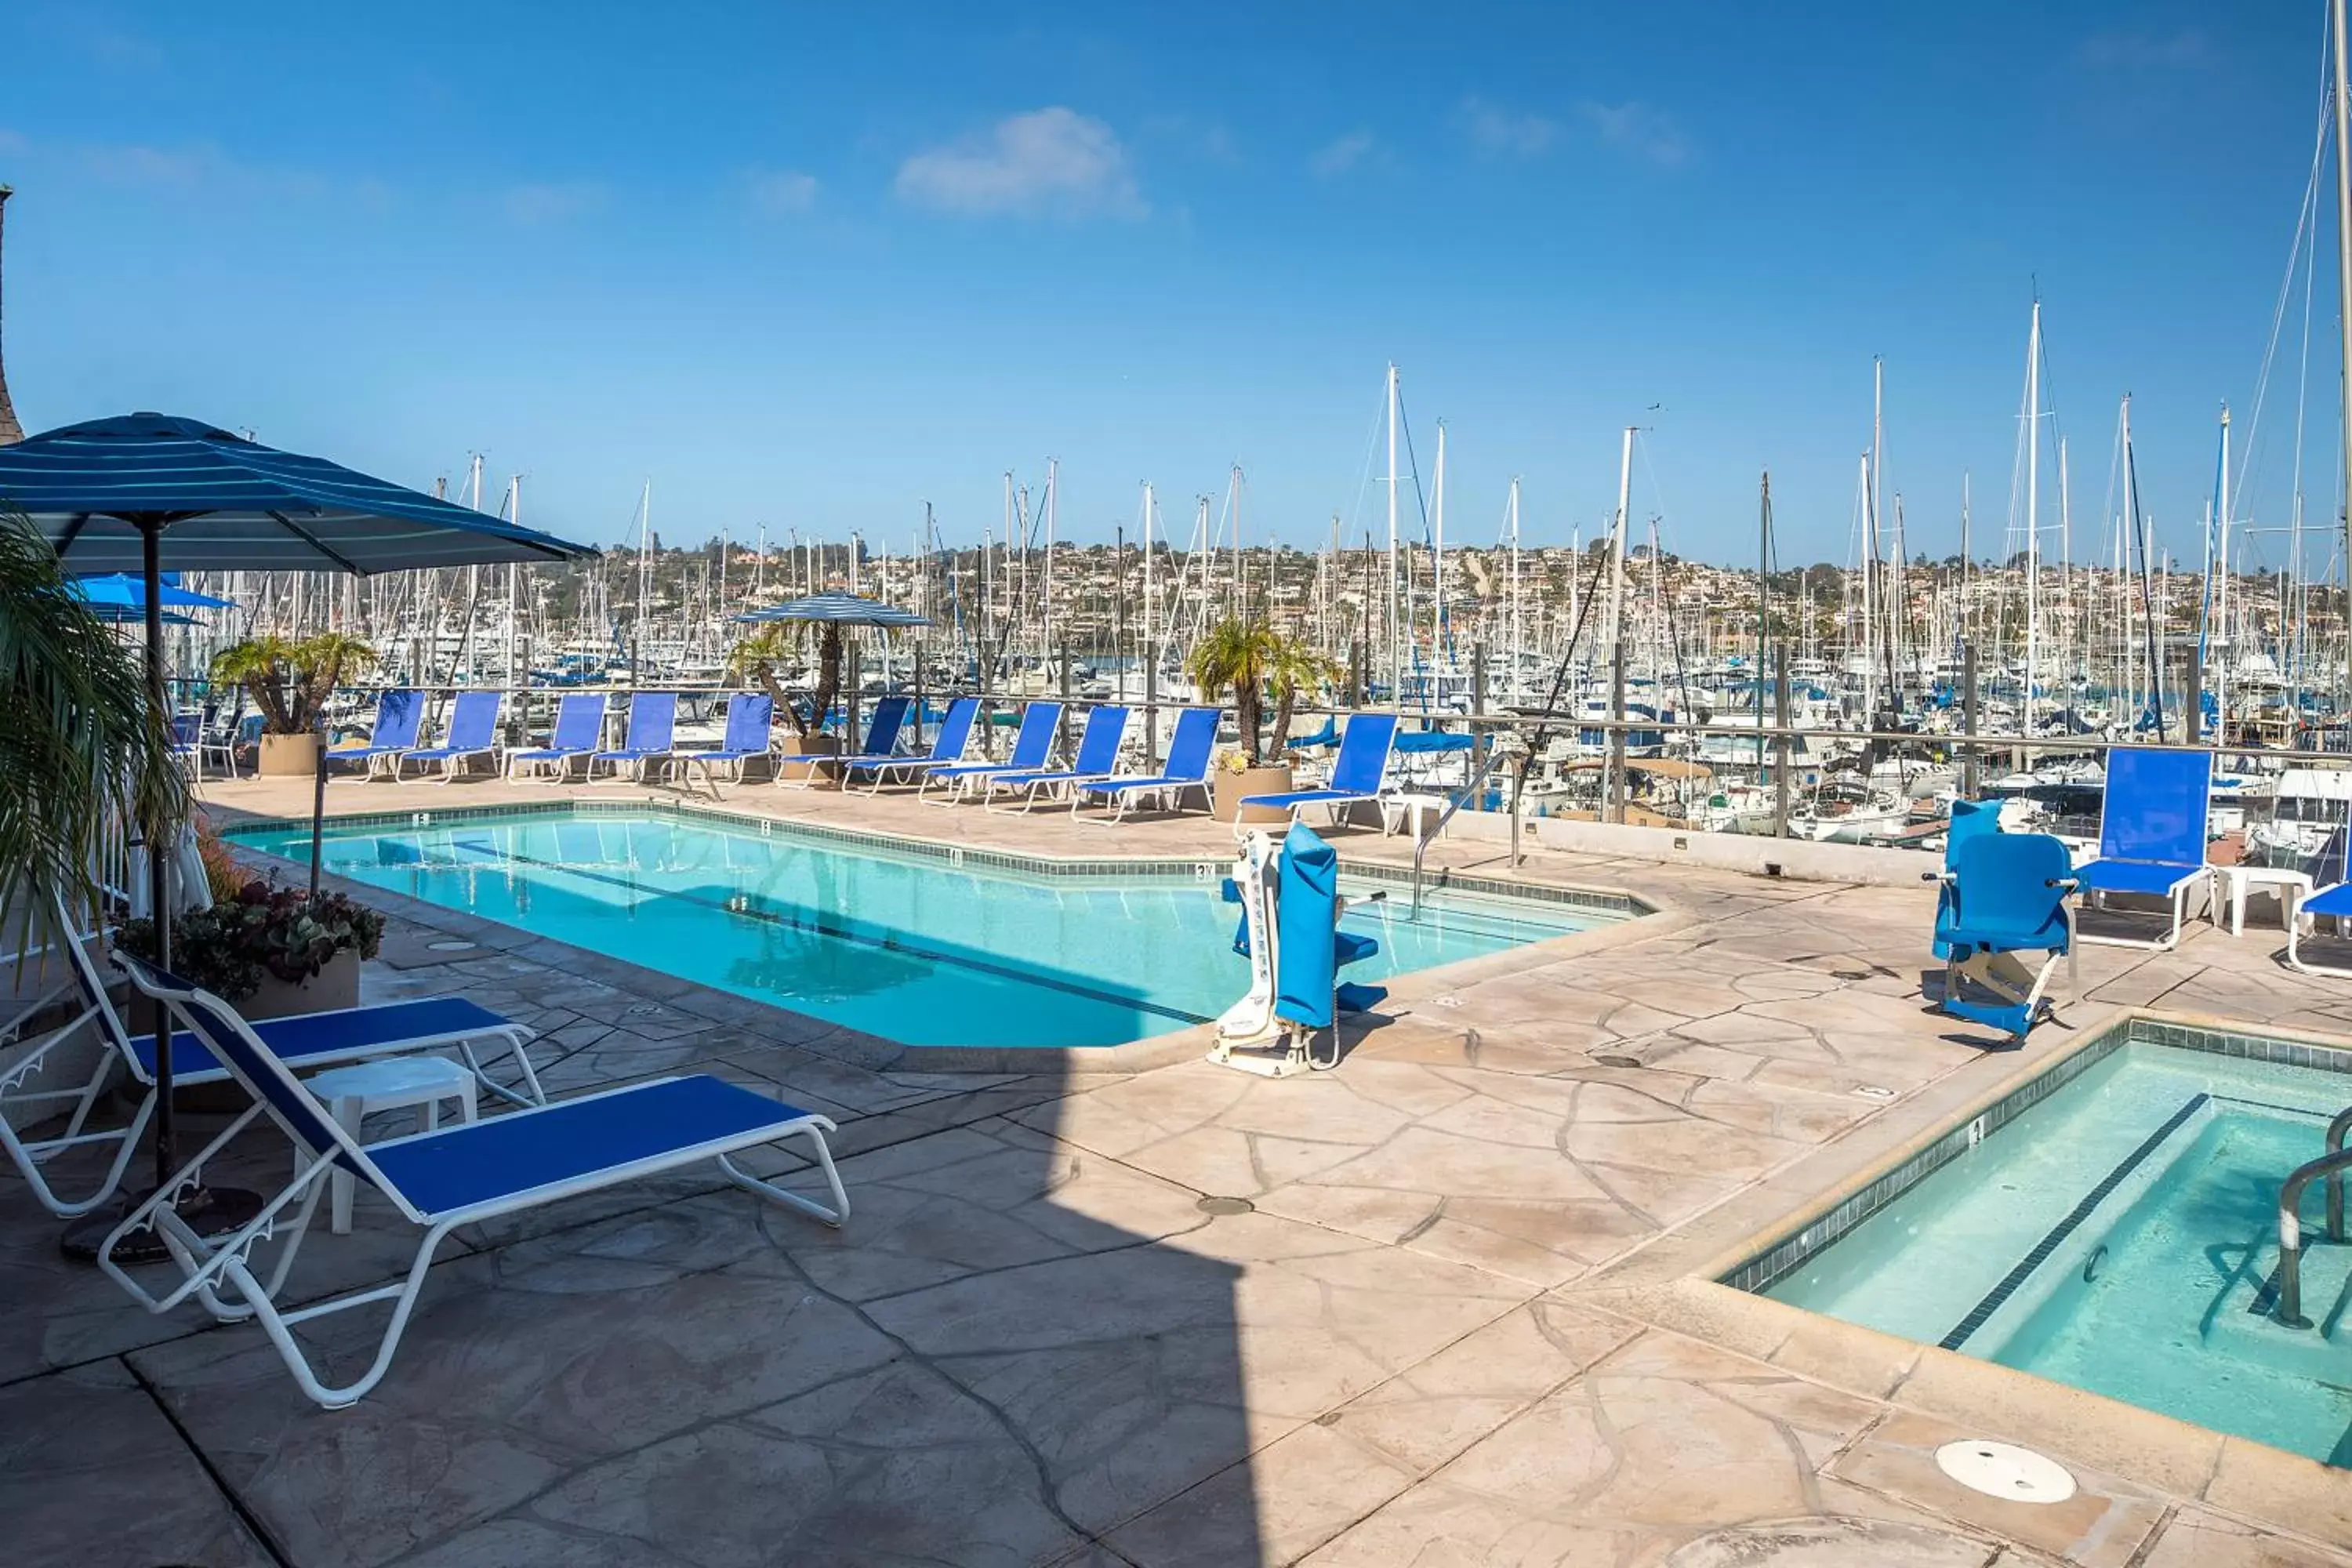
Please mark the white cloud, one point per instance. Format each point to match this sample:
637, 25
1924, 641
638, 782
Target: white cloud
1499, 130
779, 192
1053, 160
1639, 130
551, 201
1337, 157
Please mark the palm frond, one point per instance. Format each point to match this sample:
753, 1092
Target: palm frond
83, 752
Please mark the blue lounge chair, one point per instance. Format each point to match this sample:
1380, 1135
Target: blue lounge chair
883, 727
1355, 772
2009, 893
1968, 818
946, 751
188, 743
1187, 768
2332, 897
750, 718
398, 717
1098, 758
653, 721
1032, 749
2152, 835
579, 730
440, 1180
310, 1040
473, 732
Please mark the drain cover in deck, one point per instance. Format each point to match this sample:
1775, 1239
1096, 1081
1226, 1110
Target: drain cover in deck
1217, 1205
2006, 1470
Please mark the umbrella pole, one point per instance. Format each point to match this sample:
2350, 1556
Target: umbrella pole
159, 859
318, 802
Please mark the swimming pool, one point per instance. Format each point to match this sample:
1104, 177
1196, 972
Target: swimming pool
2119, 1234
899, 943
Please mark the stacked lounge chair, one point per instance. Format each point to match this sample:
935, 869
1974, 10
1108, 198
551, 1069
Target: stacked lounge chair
946, 751
1096, 758
1033, 746
1189, 745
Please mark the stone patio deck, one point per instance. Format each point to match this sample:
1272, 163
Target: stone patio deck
1443, 1326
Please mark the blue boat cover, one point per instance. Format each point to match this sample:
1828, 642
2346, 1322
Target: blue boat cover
1306, 912
528, 1150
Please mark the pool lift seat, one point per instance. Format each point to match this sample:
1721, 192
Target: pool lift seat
2006, 894
1289, 931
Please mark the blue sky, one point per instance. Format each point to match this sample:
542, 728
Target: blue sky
813, 266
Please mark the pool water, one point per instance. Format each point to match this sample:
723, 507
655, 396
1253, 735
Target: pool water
2121, 1237
908, 947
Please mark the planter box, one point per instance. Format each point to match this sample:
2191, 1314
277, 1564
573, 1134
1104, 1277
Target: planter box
798, 756
287, 756
1228, 788
336, 985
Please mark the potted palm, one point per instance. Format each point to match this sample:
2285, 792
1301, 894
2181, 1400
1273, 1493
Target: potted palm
290, 679
1249, 658
757, 657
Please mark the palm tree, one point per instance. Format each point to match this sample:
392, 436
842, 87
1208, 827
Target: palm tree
1233, 655
290, 680
1292, 666
81, 747
771, 643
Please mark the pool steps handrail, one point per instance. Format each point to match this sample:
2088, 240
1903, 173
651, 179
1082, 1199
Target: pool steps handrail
2288, 1308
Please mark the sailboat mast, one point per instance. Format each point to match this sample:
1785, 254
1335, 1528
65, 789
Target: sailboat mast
1612, 625
1437, 611
1514, 666
2032, 508
1396, 653
2344, 261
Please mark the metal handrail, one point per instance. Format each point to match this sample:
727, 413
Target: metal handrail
2336, 1131
1494, 755
2289, 1310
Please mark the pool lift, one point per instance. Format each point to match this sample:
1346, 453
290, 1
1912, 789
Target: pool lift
1289, 931
2005, 894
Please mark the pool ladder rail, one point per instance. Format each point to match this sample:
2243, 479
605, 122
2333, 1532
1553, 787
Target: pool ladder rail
2330, 1166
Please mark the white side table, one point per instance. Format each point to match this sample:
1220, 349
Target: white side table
1411, 807
354, 1093
2239, 881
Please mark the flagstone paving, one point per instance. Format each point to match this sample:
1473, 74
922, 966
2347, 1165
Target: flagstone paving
1377, 1316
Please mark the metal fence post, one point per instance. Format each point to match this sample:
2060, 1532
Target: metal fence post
1614, 806
2193, 685
1780, 742
1969, 721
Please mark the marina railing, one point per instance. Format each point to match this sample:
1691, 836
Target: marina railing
1787, 761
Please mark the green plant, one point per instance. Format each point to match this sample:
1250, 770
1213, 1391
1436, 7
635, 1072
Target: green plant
1232, 656
261, 932
223, 876
773, 643
1251, 660
1295, 666
82, 744
290, 678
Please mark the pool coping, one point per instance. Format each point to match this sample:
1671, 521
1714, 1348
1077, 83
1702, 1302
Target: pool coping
1629, 918
1679, 1282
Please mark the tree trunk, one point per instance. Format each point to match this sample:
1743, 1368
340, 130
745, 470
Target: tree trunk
1284, 701
828, 674
765, 674
1247, 710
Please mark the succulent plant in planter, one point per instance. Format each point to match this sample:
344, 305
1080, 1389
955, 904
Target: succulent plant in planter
264, 932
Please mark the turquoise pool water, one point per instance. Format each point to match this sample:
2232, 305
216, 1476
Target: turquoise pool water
906, 947
2121, 1237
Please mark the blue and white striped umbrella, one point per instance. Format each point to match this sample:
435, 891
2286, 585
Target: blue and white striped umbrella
838, 609
219, 503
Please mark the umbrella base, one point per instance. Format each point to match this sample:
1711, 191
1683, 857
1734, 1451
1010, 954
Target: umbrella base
211, 1212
